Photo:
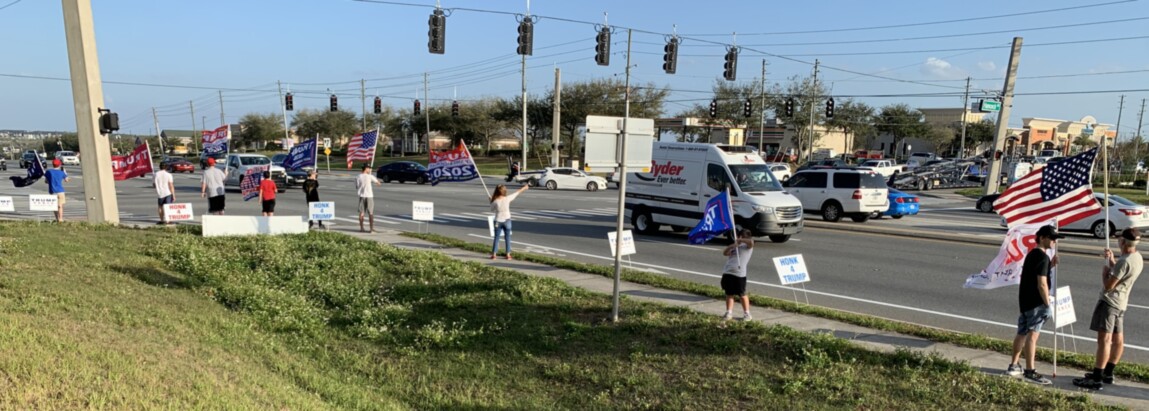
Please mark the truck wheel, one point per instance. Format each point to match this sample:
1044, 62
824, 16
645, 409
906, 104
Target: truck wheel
643, 223
552, 185
832, 212
780, 238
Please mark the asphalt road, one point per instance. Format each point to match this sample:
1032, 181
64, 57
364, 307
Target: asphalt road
898, 277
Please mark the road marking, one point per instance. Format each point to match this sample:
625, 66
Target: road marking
825, 294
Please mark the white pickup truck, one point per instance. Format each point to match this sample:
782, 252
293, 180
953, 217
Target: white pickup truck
884, 167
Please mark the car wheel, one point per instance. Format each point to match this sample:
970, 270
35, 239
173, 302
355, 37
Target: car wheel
420, 180
643, 223
780, 238
533, 182
832, 212
592, 186
386, 178
897, 216
552, 185
860, 218
1098, 229
985, 206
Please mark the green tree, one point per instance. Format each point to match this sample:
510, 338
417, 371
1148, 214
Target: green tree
256, 128
901, 122
855, 119
976, 133
1084, 141
601, 97
325, 123
809, 107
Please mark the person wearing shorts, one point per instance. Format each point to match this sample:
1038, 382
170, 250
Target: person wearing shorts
734, 273
165, 191
267, 190
212, 188
56, 177
1033, 301
1117, 278
366, 197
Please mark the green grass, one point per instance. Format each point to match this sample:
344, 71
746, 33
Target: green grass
1129, 371
101, 317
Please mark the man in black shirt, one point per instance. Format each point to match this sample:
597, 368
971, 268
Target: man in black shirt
1033, 300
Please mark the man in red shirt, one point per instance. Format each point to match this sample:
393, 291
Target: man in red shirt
267, 190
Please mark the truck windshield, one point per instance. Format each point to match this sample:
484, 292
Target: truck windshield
754, 178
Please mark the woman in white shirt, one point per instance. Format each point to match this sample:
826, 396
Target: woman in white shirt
501, 206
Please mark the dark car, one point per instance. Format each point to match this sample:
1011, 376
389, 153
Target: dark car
294, 177
177, 164
403, 171
28, 157
985, 203
220, 158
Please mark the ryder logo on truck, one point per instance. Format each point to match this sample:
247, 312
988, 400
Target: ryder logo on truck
667, 173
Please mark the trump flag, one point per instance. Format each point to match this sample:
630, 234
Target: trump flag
1005, 269
215, 141
35, 172
452, 165
302, 155
716, 220
138, 163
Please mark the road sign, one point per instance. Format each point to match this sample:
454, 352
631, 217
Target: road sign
423, 211
603, 141
327, 141
990, 106
321, 210
791, 269
327, 151
179, 212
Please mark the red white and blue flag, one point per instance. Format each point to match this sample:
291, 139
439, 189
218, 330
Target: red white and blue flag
715, 220
302, 155
250, 184
215, 141
1060, 191
35, 172
362, 147
452, 165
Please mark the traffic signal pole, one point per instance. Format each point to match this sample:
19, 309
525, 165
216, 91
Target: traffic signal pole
993, 179
621, 175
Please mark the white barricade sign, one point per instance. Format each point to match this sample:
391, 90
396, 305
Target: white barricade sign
321, 210
1064, 307
43, 202
6, 204
179, 212
791, 269
491, 225
627, 242
424, 211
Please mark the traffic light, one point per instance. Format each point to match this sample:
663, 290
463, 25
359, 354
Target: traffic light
454, 109
730, 71
378, 105
789, 106
526, 37
334, 103
713, 108
670, 59
437, 32
747, 108
289, 102
109, 122
602, 49
418, 107
997, 155
830, 108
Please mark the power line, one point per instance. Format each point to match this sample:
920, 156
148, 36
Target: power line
10, 4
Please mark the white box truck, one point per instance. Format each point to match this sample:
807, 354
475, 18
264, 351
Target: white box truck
684, 176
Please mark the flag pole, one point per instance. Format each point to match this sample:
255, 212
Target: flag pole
1055, 297
148, 147
733, 225
477, 172
315, 154
375, 147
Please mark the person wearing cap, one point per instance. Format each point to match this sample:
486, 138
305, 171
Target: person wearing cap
1117, 278
212, 187
56, 177
1033, 300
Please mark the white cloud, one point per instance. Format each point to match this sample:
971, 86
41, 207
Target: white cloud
986, 65
940, 68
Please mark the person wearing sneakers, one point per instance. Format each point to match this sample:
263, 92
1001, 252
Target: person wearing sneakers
734, 273
1033, 300
366, 197
501, 206
1117, 278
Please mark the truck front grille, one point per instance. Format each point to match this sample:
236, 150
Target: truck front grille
788, 213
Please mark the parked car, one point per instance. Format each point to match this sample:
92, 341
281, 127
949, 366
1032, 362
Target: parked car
3, 164
294, 177
985, 203
567, 177
901, 204
781, 171
837, 192
28, 157
177, 164
238, 164
1123, 214
220, 158
68, 158
403, 171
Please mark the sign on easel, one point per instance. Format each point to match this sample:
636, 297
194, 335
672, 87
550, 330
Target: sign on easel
6, 204
1064, 307
791, 269
423, 211
321, 210
178, 212
491, 225
43, 202
627, 242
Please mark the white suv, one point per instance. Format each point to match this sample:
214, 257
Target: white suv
842, 191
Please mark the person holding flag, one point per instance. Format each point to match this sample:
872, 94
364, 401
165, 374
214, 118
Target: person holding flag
1033, 301
267, 190
35, 172
1117, 278
501, 205
734, 273
56, 177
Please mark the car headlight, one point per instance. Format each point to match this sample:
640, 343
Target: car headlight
764, 209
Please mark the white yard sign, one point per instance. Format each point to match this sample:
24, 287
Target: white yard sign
423, 211
179, 212
1064, 307
491, 225
43, 202
6, 204
791, 269
321, 210
627, 242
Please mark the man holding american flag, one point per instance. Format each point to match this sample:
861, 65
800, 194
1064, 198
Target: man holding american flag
1060, 191
362, 147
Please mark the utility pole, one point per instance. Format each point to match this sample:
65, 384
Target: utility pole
191, 105
222, 120
363, 99
159, 135
523, 71
282, 106
1137, 139
427, 114
964, 114
762, 115
993, 179
813, 97
621, 176
203, 122
557, 112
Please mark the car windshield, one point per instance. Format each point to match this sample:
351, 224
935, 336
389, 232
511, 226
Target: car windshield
65, 153
1121, 200
175, 159
254, 161
755, 178
278, 158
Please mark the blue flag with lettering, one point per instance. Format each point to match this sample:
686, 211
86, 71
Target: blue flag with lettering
302, 155
35, 172
715, 220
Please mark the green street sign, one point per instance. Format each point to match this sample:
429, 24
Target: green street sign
990, 106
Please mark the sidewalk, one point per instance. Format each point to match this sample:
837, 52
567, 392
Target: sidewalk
1123, 393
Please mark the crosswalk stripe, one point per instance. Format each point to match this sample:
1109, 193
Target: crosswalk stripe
551, 214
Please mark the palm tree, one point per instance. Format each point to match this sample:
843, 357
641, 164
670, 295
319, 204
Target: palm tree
1084, 141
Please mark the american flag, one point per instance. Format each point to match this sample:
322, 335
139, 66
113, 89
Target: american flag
1059, 191
362, 146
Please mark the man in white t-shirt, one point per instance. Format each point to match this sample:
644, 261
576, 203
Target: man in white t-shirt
366, 197
165, 190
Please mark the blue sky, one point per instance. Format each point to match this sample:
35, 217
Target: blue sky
245, 46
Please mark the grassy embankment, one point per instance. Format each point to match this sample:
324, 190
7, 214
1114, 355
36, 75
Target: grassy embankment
100, 317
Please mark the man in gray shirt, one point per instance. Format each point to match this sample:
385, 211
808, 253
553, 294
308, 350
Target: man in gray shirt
212, 187
1117, 278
